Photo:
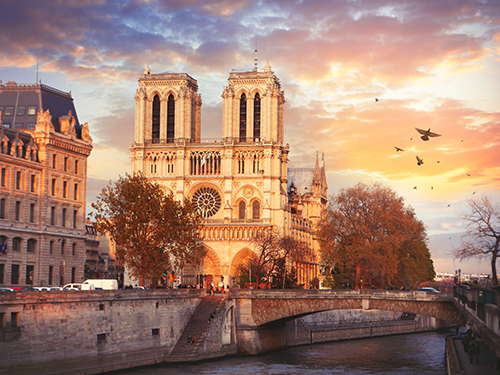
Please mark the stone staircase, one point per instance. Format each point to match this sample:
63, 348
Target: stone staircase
197, 327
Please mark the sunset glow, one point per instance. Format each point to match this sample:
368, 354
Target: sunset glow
430, 64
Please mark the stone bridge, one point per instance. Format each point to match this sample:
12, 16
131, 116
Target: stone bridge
260, 315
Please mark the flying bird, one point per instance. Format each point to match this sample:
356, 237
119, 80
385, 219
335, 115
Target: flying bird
438, 161
427, 134
448, 205
432, 187
376, 99
420, 161
415, 187
468, 174
398, 149
473, 193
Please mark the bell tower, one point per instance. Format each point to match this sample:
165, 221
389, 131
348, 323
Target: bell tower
167, 108
253, 106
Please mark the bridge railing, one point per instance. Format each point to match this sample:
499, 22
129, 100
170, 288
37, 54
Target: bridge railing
339, 293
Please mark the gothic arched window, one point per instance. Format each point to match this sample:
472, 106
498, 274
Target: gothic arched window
256, 117
256, 210
241, 210
155, 131
243, 118
170, 118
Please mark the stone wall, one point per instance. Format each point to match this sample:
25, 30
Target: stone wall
81, 332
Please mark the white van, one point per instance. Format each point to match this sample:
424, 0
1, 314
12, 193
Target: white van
104, 284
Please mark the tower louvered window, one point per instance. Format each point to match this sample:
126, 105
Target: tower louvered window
243, 118
256, 117
241, 210
155, 134
170, 119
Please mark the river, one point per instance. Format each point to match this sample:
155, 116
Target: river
410, 354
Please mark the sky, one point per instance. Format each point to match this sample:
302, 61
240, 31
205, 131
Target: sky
431, 64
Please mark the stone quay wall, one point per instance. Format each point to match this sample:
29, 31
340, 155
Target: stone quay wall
86, 332
338, 325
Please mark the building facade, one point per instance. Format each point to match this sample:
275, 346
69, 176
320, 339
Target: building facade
43, 166
239, 183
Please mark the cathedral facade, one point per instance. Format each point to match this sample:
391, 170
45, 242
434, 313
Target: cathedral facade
239, 183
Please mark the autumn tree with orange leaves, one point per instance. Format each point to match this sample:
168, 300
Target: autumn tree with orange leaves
373, 239
152, 231
482, 236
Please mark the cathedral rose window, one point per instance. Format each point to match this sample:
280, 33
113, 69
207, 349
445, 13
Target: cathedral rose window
207, 201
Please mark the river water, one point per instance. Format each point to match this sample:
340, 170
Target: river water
415, 354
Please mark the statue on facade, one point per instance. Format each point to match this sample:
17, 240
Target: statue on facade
86, 132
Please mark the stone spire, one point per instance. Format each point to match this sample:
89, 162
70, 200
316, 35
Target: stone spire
267, 67
147, 69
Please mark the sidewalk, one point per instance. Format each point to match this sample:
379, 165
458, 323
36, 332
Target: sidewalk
487, 360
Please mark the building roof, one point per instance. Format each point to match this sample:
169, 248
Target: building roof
20, 104
301, 178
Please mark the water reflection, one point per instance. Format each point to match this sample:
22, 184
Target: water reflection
413, 354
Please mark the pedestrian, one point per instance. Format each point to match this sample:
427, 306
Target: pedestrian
476, 349
465, 343
189, 339
193, 341
470, 352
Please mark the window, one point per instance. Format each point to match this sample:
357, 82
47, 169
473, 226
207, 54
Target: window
31, 126
170, 118
155, 131
18, 126
31, 245
51, 247
6, 125
73, 252
241, 210
4, 177
33, 183
65, 189
75, 217
63, 247
53, 187
32, 213
101, 337
2, 208
54, 161
2, 275
21, 111
29, 274
243, 117
256, 210
52, 215
51, 275
16, 244
18, 180
9, 111
14, 274
32, 110
18, 211
64, 211
14, 316
65, 164
256, 117
73, 275
75, 195
76, 166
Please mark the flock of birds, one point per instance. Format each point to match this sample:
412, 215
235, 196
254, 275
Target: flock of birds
425, 136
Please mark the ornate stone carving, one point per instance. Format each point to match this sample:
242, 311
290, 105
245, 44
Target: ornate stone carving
248, 192
173, 185
222, 183
259, 184
236, 184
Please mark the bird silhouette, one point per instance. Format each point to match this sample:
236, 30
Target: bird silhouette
438, 161
448, 205
415, 187
376, 99
427, 134
473, 193
420, 161
398, 149
432, 187
468, 174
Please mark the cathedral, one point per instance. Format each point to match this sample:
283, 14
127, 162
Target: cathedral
240, 183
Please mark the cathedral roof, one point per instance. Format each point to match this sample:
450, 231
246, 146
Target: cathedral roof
302, 179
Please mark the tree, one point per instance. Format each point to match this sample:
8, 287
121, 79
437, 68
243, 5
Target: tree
482, 236
152, 231
373, 239
273, 250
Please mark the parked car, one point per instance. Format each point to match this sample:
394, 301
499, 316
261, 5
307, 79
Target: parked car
56, 288
41, 288
427, 289
72, 286
7, 290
